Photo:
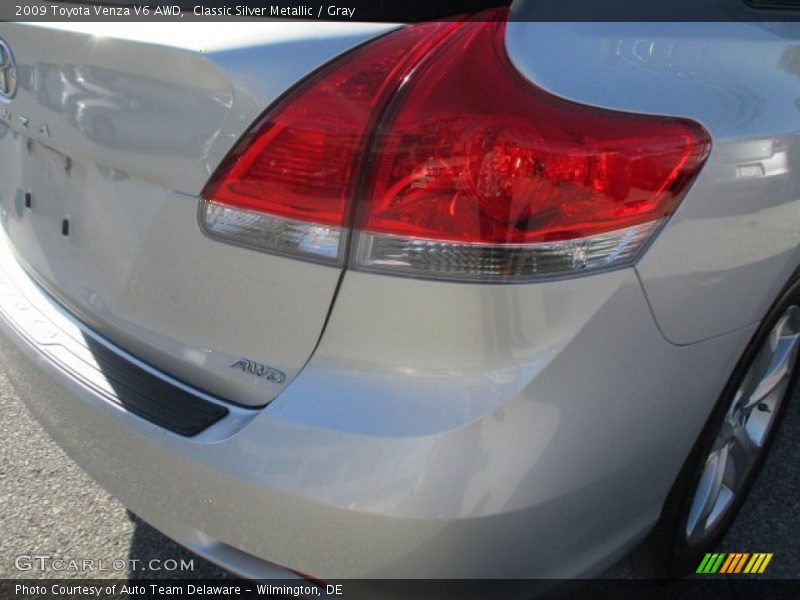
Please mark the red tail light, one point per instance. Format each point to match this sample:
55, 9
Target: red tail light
474, 173
286, 186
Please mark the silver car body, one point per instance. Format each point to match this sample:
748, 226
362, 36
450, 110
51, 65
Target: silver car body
424, 428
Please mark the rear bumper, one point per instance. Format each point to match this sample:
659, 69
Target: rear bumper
556, 478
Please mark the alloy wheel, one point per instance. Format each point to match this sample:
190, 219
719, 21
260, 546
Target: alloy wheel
741, 438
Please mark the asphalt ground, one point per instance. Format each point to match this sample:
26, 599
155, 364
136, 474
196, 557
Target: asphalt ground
49, 506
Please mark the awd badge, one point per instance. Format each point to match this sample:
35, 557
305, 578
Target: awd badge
259, 370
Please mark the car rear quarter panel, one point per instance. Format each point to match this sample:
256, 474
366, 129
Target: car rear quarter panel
733, 242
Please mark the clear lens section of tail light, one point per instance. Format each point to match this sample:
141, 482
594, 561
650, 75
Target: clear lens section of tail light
480, 262
262, 231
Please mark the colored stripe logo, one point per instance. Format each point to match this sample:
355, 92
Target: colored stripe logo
734, 562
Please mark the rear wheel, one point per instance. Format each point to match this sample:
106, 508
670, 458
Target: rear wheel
725, 461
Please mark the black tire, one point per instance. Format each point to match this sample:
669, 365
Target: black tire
666, 553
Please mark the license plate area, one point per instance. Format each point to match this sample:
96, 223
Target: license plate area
39, 212
134, 267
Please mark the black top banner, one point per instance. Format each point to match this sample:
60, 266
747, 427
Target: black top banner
398, 11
